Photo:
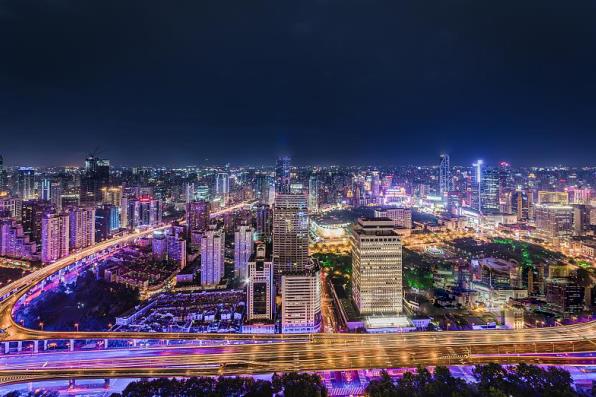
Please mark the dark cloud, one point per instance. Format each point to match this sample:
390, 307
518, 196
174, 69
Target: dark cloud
335, 80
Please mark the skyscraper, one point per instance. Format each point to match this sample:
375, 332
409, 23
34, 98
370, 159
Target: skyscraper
81, 227
212, 256
264, 221
243, 249
107, 222
313, 194
520, 205
259, 291
26, 183
96, 175
485, 188
283, 175
54, 237
444, 176
290, 233
197, 215
222, 184
554, 221
376, 267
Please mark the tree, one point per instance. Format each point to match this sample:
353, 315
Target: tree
302, 385
383, 387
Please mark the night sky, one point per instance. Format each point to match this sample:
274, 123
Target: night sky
331, 81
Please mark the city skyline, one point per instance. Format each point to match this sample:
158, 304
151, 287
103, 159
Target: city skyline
327, 82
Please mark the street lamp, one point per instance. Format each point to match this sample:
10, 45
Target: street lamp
77, 326
41, 325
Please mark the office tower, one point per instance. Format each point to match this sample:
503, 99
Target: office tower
283, 175
26, 183
313, 194
444, 176
202, 192
554, 221
176, 247
547, 197
505, 178
521, 202
55, 237
301, 301
70, 200
243, 248
111, 195
264, 223
401, 217
197, 215
581, 219
212, 255
485, 188
14, 243
13, 206
143, 211
222, 184
96, 175
107, 222
45, 189
376, 267
81, 227
564, 296
259, 291
290, 233
262, 188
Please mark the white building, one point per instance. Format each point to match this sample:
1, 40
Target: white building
401, 217
301, 302
212, 256
376, 267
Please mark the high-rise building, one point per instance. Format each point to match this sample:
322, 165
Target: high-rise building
581, 219
212, 255
259, 290
301, 301
14, 243
283, 175
13, 206
444, 176
56, 195
554, 221
26, 183
81, 227
262, 188
313, 194
32, 215
197, 215
290, 233
222, 184
2, 173
96, 176
485, 188
401, 217
55, 237
264, 223
176, 247
521, 202
111, 195
143, 211
107, 222
376, 267
243, 249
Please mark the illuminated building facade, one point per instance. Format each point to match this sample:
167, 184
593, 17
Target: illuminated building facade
243, 249
212, 255
290, 233
444, 176
301, 301
554, 221
376, 267
313, 194
259, 291
197, 215
96, 176
81, 227
55, 237
26, 183
283, 175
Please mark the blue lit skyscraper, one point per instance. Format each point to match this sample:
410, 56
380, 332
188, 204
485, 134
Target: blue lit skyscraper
485, 188
444, 176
